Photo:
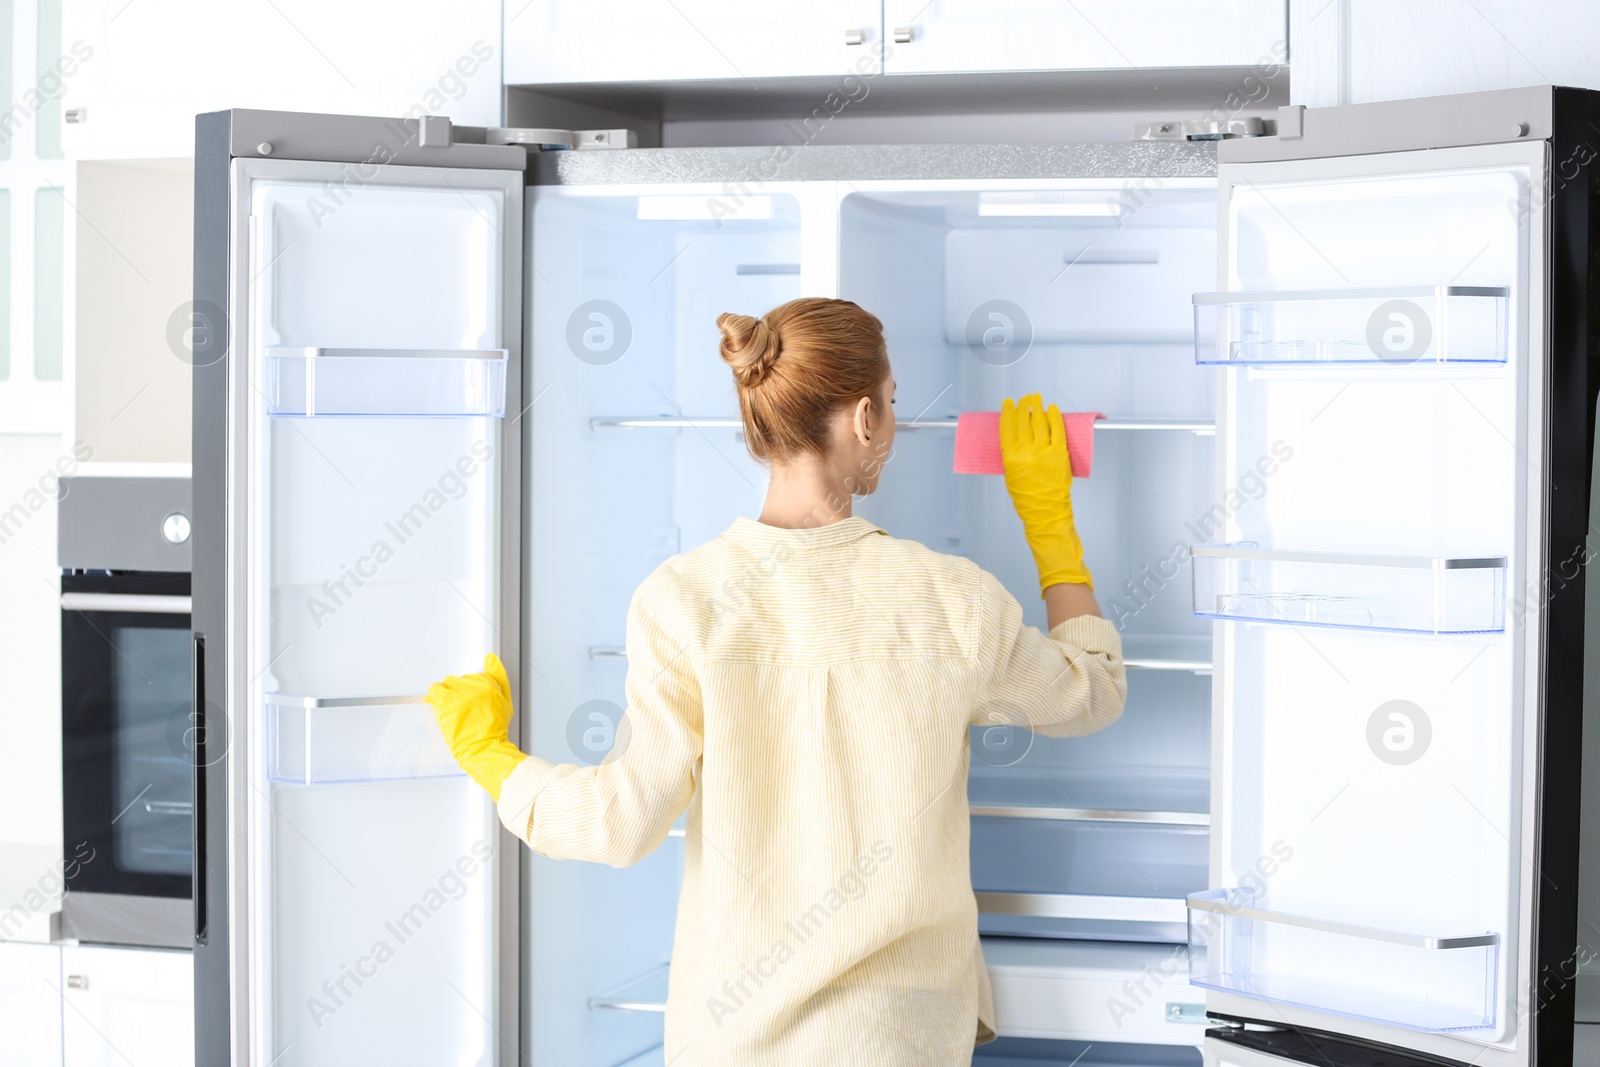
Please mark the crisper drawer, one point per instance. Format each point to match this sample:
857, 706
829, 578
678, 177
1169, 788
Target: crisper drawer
1058, 878
1093, 991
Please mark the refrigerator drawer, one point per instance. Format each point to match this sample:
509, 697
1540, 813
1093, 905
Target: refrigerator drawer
385, 381
1101, 991
1421, 594
354, 739
1416, 981
1398, 325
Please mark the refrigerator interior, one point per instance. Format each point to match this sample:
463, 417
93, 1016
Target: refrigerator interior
1106, 834
1371, 686
1094, 284
626, 288
374, 571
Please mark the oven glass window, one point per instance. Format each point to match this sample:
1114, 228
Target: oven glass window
150, 787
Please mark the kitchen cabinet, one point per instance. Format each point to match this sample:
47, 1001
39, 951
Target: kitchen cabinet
129, 309
949, 36
126, 1007
553, 41
1356, 51
144, 71
30, 1006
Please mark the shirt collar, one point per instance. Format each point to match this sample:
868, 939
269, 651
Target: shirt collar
749, 531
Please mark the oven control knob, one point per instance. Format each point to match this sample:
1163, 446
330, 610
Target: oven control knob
175, 528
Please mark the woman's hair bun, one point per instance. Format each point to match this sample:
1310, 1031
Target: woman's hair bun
750, 346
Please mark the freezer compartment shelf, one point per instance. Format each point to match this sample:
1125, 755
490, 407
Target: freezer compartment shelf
385, 381
1201, 427
317, 740
1436, 984
1398, 325
1412, 594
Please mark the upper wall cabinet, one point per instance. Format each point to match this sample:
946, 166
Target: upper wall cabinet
980, 35
555, 41
1357, 51
144, 70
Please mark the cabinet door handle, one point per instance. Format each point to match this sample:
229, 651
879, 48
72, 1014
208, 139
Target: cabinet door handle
853, 37
902, 35
197, 785
77, 981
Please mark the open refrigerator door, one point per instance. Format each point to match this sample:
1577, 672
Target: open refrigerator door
360, 482
1389, 702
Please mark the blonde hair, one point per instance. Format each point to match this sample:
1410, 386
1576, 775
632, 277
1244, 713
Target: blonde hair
796, 366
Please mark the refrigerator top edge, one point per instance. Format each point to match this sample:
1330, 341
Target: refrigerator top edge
1497, 116
424, 141
809, 162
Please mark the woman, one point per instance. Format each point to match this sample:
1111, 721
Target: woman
802, 688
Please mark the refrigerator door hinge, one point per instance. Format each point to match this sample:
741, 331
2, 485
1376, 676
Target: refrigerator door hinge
1199, 129
433, 131
1186, 1013
549, 140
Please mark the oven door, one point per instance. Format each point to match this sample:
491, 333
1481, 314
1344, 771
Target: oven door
128, 809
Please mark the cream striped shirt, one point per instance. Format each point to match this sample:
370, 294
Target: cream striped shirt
804, 697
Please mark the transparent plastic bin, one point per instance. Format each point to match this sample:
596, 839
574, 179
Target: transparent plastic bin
1398, 325
314, 740
1415, 981
1413, 594
385, 381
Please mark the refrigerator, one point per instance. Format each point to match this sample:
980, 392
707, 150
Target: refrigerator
456, 396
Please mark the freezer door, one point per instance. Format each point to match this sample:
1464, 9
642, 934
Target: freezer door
1404, 443
357, 524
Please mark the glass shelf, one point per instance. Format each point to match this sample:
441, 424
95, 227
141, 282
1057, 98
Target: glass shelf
1171, 801
1414, 981
1165, 910
648, 992
1139, 653
317, 740
1397, 325
1167, 653
315, 382
1412, 594
1200, 427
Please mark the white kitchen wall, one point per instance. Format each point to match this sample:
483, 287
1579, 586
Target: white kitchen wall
32, 417
1354, 51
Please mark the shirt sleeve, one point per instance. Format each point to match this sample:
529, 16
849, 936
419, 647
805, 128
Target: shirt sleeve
1063, 684
621, 810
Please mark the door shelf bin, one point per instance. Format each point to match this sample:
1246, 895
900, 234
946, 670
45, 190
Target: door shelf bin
1414, 981
385, 381
313, 740
1416, 594
1399, 325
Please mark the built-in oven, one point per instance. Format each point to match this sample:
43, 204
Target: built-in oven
126, 723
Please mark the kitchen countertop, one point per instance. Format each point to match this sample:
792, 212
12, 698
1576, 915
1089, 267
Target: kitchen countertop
30, 892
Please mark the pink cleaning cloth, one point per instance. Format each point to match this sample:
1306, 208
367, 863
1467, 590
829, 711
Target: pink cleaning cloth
978, 442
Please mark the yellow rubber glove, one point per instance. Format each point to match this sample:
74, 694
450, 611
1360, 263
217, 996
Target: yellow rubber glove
1033, 445
474, 713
